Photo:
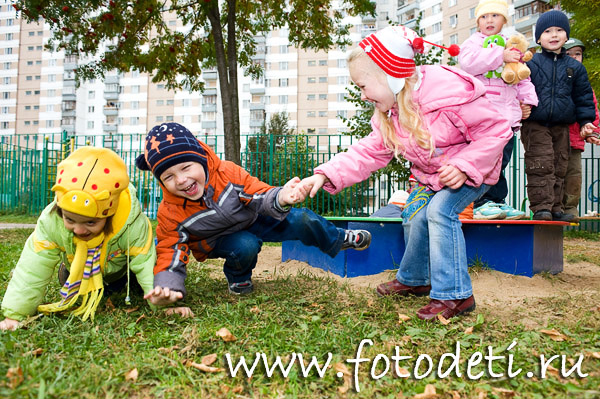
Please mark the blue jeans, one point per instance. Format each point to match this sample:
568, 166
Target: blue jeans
435, 245
240, 249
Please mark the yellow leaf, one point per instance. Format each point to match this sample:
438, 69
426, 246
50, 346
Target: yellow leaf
35, 353
595, 355
402, 318
209, 359
554, 335
442, 319
404, 373
255, 309
342, 371
238, 389
132, 375
429, 393
15, 377
469, 330
482, 395
341, 367
225, 335
203, 367
505, 393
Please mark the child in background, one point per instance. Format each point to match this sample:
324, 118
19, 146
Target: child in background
439, 119
515, 101
215, 209
575, 49
94, 230
565, 96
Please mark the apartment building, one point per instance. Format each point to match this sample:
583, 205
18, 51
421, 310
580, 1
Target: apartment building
39, 94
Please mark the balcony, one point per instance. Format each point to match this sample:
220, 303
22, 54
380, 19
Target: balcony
209, 75
109, 128
111, 95
257, 107
110, 110
407, 7
68, 128
526, 23
112, 79
209, 107
257, 90
209, 124
256, 123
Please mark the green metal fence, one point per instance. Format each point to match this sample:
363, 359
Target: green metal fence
28, 170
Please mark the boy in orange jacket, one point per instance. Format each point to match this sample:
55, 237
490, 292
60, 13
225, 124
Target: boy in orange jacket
215, 209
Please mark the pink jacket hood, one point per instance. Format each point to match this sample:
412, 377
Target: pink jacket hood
468, 132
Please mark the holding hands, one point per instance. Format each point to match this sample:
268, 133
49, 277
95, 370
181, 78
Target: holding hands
525, 110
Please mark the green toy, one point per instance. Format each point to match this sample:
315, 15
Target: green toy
491, 41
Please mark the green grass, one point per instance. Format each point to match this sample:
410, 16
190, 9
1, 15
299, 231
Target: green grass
12, 218
304, 314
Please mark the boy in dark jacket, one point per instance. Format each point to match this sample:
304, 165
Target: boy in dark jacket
565, 96
215, 209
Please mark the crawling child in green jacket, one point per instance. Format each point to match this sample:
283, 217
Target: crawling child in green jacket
94, 232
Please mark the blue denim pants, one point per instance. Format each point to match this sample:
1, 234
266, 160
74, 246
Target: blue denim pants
240, 250
435, 245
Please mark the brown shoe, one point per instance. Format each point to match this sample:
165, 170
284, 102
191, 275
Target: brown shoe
395, 287
447, 308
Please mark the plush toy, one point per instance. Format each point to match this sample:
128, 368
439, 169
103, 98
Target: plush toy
490, 42
514, 72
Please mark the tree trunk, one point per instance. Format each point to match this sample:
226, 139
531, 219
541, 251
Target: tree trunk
227, 70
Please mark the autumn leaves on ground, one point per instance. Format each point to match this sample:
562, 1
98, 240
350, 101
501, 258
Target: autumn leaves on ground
301, 329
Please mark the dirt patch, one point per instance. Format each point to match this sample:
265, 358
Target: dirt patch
503, 295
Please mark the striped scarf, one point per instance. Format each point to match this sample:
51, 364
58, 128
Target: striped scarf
85, 280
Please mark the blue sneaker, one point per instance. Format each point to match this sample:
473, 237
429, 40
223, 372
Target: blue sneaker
512, 213
489, 211
243, 288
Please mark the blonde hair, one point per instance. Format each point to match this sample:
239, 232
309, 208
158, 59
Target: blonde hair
409, 116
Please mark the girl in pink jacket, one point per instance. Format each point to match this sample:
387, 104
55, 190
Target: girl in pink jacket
437, 118
515, 101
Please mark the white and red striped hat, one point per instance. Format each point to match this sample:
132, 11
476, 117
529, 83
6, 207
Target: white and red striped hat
393, 50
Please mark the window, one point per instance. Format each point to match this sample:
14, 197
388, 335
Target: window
341, 63
38, 77
283, 65
312, 63
172, 102
4, 125
342, 80
32, 33
283, 99
451, 3
135, 105
51, 78
160, 86
322, 96
284, 49
51, 62
9, 36
27, 107
35, 123
134, 120
7, 65
27, 123
471, 13
322, 114
322, 79
472, 30
29, 77
90, 124
30, 48
36, 107
186, 102
453, 20
7, 80
283, 82
169, 118
454, 38
436, 9
9, 22
27, 93
160, 103
51, 92
5, 110
311, 114
310, 130
310, 97
322, 62
91, 94
246, 104
8, 50
437, 27
49, 124
322, 130
342, 113
311, 79
40, 33
38, 48
91, 109
135, 89
172, 22
159, 118
50, 108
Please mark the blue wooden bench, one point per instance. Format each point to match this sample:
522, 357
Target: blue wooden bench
520, 247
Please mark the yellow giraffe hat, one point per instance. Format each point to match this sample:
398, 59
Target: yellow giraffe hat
89, 182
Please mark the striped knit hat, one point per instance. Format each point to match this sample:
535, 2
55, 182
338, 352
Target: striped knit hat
393, 50
170, 144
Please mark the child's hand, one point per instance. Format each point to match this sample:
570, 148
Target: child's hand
290, 194
9, 324
587, 129
451, 176
182, 311
163, 296
511, 55
525, 110
593, 139
313, 183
